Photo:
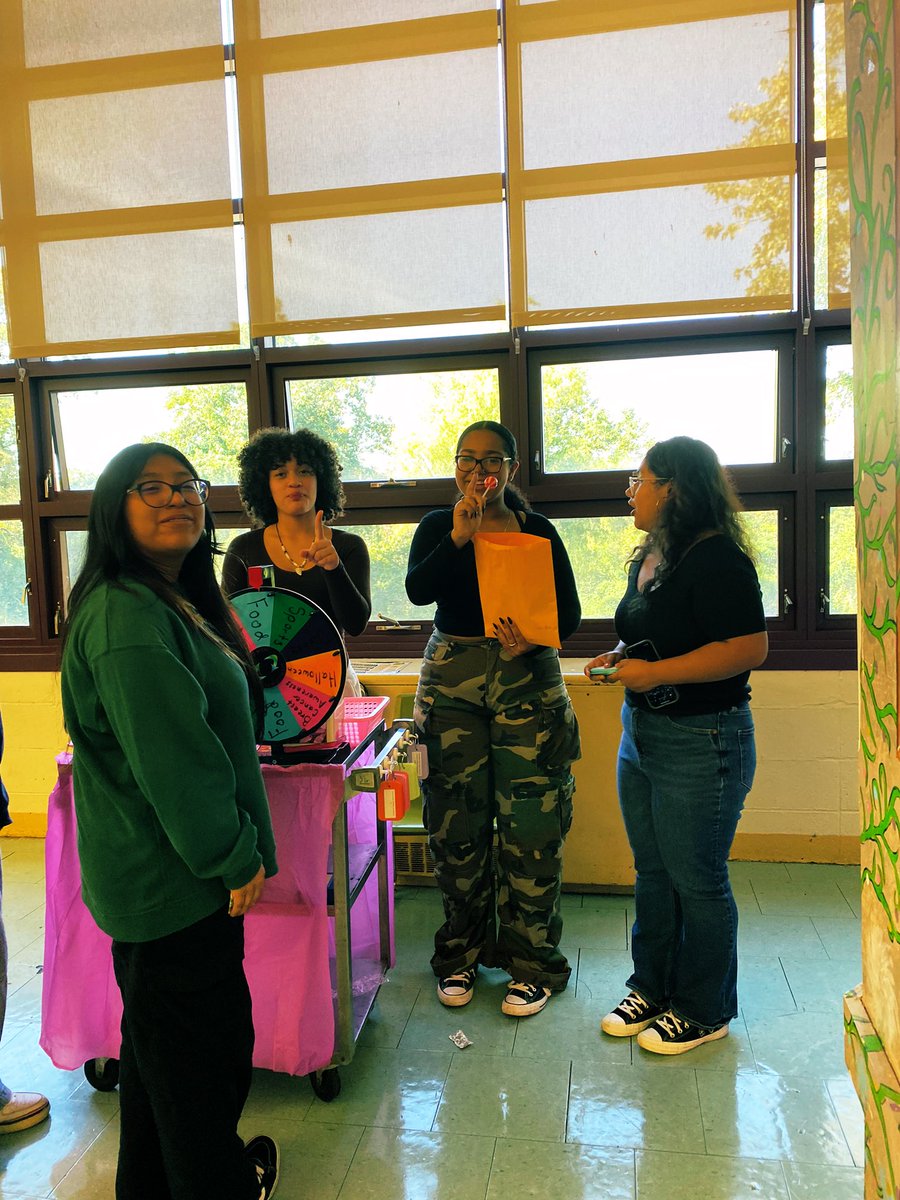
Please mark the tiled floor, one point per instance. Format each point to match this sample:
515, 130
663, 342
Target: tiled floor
545, 1107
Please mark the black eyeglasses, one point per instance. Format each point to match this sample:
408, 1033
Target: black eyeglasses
491, 464
157, 493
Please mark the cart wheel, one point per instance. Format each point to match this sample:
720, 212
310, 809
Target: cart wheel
326, 1084
102, 1073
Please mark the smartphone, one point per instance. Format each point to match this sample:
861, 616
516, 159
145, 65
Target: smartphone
666, 693
596, 672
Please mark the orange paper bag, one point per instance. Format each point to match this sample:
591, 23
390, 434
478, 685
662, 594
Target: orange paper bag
515, 579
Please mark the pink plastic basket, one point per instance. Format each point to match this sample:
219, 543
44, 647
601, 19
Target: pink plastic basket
357, 716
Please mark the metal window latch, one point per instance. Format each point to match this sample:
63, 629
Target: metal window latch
824, 601
390, 483
57, 619
786, 600
392, 621
48, 485
26, 591
786, 445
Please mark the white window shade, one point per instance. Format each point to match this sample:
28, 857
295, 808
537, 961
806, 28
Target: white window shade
115, 176
372, 162
651, 158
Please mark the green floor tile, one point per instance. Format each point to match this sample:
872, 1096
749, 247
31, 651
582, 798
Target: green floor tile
535, 1171
823, 1183
569, 1027
274, 1094
801, 1043
594, 929
93, 1175
609, 1107
771, 1117
692, 1176
387, 1087
505, 1097
820, 986
850, 1114
825, 900
763, 986
841, 938
794, 936
393, 1163
430, 1023
389, 1015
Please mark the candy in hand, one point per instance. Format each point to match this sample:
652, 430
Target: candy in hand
490, 483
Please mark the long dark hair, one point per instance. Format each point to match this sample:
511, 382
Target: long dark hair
514, 497
272, 448
702, 498
112, 556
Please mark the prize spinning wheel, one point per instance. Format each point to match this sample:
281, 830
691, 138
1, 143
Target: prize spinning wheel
299, 656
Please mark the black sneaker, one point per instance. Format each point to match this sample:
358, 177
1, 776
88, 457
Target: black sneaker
263, 1153
672, 1035
457, 989
524, 999
632, 1015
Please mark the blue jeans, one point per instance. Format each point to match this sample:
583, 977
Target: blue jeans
682, 785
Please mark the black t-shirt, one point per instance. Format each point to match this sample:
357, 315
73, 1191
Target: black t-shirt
711, 596
343, 593
440, 574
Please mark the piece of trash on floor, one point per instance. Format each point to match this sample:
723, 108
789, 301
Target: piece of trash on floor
460, 1039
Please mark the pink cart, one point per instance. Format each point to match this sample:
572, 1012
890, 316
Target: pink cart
318, 944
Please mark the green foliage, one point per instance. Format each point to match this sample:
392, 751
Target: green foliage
338, 410
579, 434
458, 399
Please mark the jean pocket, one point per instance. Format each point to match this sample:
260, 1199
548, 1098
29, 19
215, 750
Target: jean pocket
700, 724
747, 753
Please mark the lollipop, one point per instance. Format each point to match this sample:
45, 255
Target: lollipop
490, 483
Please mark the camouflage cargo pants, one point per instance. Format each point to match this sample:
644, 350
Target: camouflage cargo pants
501, 738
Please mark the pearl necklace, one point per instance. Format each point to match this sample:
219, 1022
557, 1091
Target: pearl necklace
298, 568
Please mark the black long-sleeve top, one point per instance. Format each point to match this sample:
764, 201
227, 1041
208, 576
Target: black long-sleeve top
343, 593
440, 574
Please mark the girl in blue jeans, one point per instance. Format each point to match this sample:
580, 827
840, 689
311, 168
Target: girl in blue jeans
691, 626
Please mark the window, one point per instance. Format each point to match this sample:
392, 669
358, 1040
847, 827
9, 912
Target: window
15, 611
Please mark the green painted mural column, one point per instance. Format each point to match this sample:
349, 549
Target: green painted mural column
872, 1011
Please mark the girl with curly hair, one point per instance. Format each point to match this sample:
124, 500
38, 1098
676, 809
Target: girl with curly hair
290, 485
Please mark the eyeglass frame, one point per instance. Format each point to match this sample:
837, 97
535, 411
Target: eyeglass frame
635, 481
479, 462
173, 488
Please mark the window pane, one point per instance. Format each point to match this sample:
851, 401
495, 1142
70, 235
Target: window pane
762, 528
9, 451
72, 545
395, 426
604, 415
205, 421
388, 552
12, 574
839, 402
598, 548
841, 586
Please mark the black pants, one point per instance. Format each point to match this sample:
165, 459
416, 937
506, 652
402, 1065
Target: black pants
184, 1073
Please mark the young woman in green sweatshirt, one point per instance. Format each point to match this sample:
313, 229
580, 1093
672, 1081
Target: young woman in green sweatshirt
174, 833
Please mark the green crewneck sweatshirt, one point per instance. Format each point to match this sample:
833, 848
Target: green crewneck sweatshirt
171, 808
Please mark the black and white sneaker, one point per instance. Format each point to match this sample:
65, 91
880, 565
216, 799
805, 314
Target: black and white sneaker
672, 1035
263, 1153
457, 989
632, 1015
524, 999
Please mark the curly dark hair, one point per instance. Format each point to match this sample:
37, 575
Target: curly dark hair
515, 498
702, 499
272, 448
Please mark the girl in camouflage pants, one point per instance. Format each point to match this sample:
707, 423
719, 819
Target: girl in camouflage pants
501, 738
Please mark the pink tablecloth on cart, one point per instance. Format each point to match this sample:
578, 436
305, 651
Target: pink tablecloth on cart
286, 935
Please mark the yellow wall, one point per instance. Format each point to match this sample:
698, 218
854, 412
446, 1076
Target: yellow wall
804, 805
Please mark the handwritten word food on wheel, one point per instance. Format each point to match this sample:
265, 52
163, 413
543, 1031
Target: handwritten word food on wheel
299, 656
